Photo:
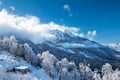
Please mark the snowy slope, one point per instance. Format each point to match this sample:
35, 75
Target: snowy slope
69, 40
114, 46
86, 44
8, 61
73, 47
76, 48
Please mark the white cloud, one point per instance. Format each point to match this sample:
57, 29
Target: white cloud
91, 34
30, 27
12, 8
67, 7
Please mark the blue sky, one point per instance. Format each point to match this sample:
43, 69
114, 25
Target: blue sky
100, 15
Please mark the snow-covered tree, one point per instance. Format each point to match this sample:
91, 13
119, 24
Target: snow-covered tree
5, 43
12, 39
73, 75
107, 72
71, 66
30, 55
49, 63
39, 60
96, 75
62, 64
73, 71
64, 74
85, 71
48, 59
116, 75
8, 43
62, 68
14, 48
13, 44
67, 70
20, 50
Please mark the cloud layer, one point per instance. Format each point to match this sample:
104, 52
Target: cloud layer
29, 27
67, 7
91, 34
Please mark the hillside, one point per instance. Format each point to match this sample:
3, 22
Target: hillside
19, 61
78, 49
9, 61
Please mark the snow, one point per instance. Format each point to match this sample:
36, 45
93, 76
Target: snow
71, 51
22, 67
85, 44
71, 45
8, 62
41, 74
67, 50
115, 46
85, 54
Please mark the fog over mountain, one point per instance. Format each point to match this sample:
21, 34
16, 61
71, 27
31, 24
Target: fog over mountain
30, 28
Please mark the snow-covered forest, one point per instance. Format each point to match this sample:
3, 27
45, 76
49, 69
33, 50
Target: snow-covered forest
54, 68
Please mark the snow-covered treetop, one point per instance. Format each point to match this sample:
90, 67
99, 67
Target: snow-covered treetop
107, 68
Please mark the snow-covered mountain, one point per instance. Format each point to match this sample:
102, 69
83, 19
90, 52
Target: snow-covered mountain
19, 61
51, 51
71, 46
62, 41
78, 49
115, 46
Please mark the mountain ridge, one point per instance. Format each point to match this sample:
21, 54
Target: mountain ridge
77, 49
